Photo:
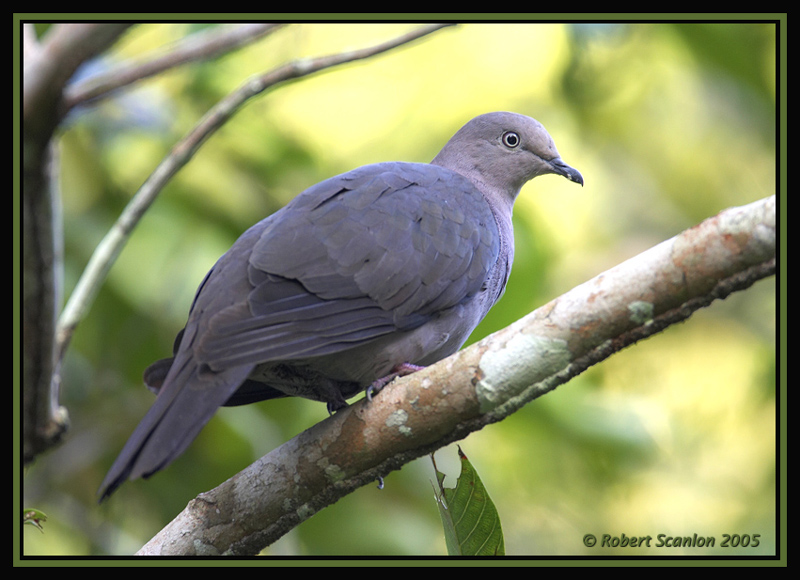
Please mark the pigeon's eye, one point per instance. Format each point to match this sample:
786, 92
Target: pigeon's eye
510, 139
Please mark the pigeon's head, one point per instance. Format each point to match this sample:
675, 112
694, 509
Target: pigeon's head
500, 152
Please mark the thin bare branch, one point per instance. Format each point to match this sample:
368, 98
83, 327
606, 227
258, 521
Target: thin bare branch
204, 45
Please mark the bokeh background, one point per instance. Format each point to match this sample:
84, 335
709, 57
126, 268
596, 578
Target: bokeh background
669, 124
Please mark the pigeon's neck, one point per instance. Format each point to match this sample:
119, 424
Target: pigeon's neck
500, 196
500, 200
502, 216
502, 206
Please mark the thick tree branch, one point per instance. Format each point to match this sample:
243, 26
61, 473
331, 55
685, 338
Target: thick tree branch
47, 68
477, 386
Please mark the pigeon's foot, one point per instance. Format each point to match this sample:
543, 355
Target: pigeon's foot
401, 370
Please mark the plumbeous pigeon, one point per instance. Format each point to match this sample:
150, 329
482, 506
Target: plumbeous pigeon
384, 268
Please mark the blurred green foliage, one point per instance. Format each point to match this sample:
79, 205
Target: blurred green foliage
669, 124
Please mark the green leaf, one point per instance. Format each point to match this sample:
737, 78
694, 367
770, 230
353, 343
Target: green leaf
471, 522
34, 517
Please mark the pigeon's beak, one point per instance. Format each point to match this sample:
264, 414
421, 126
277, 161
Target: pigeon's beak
561, 168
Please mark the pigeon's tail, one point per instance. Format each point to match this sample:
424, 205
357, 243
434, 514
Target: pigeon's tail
185, 403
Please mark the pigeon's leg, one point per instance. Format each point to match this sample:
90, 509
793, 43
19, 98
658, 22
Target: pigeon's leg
401, 370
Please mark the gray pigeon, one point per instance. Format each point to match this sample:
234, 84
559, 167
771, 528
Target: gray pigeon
364, 276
